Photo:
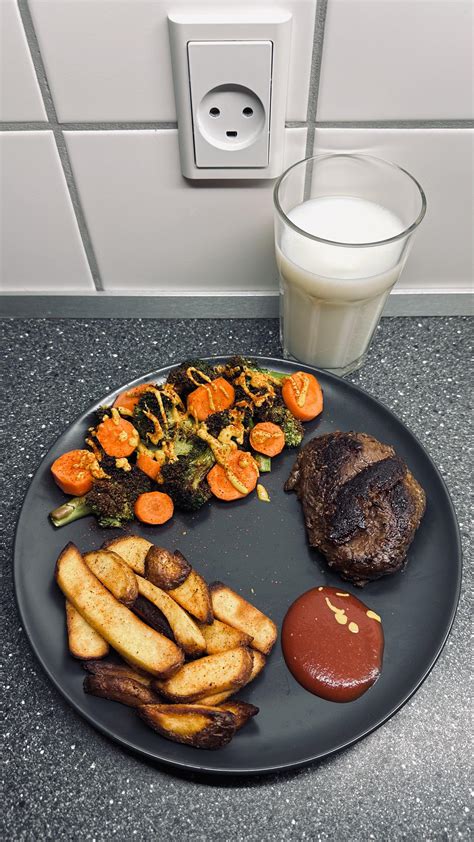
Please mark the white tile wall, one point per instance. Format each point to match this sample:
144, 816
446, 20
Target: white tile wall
397, 59
109, 60
20, 97
441, 160
153, 231
40, 246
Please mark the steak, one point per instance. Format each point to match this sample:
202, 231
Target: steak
361, 504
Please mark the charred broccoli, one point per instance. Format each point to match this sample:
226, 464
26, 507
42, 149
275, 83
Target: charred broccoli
279, 414
110, 499
218, 421
182, 383
147, 406
185, 478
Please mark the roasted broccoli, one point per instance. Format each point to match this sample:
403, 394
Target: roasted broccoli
110, 499
185, 478
148, 406
218, 421
183, 384
279, 414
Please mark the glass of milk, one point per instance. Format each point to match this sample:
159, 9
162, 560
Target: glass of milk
344, 224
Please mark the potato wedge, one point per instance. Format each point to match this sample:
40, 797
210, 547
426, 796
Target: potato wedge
231, 608
136, 642
243, 711
121, 689
259, 662
83, 641
193, 595
185, 630
165, 569
117, 670
152, 616
193, 725
219, 637
210, 675
114, 573
132, 549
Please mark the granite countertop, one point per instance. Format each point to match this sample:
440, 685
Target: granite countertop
63, 780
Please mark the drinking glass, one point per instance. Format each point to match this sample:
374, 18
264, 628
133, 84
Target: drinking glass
344, 224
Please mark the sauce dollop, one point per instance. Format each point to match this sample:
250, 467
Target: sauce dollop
333, 644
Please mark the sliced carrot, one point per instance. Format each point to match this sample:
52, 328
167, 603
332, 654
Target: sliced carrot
149, 466
303, 395
267, 438
117, 436
211, 397
241, 469
129, 399
71, 472
154, 507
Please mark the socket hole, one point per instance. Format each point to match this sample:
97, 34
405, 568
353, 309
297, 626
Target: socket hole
247, 112
214, 112
231, 134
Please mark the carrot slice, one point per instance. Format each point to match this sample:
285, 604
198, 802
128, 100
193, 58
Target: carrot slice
129, 399
240, 467
211, 397
267, 438
154, 507
149, 466
117, 436
71, 472
303, 395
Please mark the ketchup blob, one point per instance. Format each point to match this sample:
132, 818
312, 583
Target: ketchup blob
333, 644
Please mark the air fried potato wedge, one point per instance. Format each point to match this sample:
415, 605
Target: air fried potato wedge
193, 725
152, 616
231, 608
243, 711
207, 676
219, 637
165, 569
259, 662
130, 637
185, 630
117, 670
114, 573
193, 595
83, 641
132, 549
121, 689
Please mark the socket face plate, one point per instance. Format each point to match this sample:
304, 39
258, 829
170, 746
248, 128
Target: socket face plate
230, 87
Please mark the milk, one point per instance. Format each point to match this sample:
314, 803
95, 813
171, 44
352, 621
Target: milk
332, 296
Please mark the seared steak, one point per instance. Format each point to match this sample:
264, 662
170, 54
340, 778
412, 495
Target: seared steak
361, 504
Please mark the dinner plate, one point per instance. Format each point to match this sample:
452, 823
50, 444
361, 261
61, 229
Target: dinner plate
260, 550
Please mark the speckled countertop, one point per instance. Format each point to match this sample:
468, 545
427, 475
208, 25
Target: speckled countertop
63, 780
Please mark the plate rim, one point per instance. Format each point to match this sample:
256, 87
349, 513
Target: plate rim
208, 769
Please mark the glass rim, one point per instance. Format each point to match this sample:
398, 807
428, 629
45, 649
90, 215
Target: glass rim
341, 244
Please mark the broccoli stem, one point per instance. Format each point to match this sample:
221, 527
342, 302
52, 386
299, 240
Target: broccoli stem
264, 463
278, 375
74, 509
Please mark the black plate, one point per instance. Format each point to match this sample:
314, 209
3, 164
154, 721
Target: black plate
260, 550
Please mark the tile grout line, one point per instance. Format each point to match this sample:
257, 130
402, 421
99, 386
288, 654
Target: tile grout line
314, 77
60, 142
33, 126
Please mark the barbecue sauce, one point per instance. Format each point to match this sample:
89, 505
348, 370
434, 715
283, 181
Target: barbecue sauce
333, 644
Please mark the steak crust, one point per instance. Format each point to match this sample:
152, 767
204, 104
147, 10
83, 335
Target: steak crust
361, 504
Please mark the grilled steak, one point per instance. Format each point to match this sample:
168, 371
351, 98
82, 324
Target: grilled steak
361, 504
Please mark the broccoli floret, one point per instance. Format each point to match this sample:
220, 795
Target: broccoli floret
185, 478
111, 499
218, 421
279, 414
235, 365
183, 385
148, 404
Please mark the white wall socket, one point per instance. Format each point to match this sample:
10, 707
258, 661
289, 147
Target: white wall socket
230, 80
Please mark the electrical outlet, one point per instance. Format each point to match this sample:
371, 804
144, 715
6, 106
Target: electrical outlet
230, 79
230, 118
